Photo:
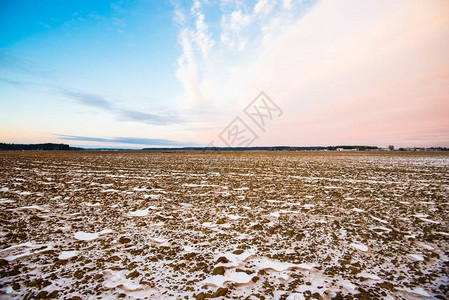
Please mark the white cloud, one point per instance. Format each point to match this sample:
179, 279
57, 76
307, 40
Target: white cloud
202, 38
232, 26
239, 20
264, 7
207, 69
356, 63
201, 34
287, 4
196, 43
187, 71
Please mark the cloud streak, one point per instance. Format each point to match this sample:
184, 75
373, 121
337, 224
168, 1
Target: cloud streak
126, 140
88, 99
122, 114
22, 65
16, 83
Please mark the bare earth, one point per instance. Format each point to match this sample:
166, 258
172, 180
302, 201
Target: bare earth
277, 225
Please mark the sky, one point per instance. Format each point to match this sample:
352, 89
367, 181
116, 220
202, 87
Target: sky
143, 73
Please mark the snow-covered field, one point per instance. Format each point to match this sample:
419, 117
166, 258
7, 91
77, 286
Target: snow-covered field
282, 225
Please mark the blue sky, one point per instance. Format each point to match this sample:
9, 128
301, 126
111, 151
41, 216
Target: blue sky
92, 43
175, 73
54, 54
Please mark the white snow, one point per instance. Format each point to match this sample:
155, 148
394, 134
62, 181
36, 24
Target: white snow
386, 229
220, 280
358, 209
421, 215
235, 260
274, 201
32, 207
29, 253
199, 185
106, 231
266, 263
416, 291
209, 225
3, 200
140, 189
425, 246
85, 236
416, 257
158, 224
321, 221
25, 245
163, 216
360, 247
235, 217
295, 296
420, 291
368, 276
67, 254
139, 213
188, 248
241, 189
442, 233
429, 221
152, 196
380, 220
157, 240
118, 279
110, 191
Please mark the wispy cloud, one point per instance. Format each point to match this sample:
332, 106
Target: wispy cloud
16, 83
88, 99
369, 67
125, 140
211, 59
201, 34
23, 65
122, 114
197, 43
137, 116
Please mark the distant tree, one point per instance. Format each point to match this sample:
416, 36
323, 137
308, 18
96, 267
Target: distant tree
391, 147
46, 147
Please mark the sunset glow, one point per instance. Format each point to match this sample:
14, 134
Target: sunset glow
161, 73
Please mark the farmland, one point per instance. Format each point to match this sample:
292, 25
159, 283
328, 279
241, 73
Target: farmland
254, 225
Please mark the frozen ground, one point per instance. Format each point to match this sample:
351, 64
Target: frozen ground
102, 225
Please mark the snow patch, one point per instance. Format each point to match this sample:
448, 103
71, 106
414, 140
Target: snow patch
86, 236
221, 280
67, 254
360, 247
416, 257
